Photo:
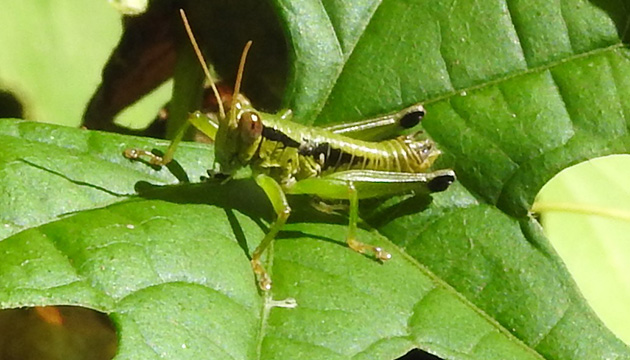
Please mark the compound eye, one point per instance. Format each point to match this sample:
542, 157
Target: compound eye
250, 126
411, 119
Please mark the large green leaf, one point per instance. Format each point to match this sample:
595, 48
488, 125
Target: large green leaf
515, 92
52, 59
585, 211
43, 62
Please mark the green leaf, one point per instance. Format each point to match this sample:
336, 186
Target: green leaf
52, 55
52, 58
515, 92
585, 211
131, 255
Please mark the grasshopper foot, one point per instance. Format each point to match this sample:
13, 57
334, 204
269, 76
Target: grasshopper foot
327, 208
136, 154
362, 248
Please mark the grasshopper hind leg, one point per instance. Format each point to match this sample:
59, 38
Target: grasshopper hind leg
351, 239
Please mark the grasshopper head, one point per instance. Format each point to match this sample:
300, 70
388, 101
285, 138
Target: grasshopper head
238, 136
240, 130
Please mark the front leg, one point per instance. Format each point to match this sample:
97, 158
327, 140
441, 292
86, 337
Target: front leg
207, 124
281, 207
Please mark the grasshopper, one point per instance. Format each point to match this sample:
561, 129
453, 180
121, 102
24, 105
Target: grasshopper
333, 163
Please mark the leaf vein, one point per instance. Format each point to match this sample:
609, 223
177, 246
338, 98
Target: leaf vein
516, 30
525, 72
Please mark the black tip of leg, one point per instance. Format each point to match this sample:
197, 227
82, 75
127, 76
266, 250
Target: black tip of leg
441, 183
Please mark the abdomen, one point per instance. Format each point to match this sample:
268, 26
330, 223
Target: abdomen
337, 153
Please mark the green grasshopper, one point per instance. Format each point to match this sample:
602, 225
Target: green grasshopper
333, 163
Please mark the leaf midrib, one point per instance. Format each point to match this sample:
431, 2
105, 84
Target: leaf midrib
517, 74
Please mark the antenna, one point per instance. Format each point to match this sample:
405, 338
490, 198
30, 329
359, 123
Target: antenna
202, 61
239, 74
